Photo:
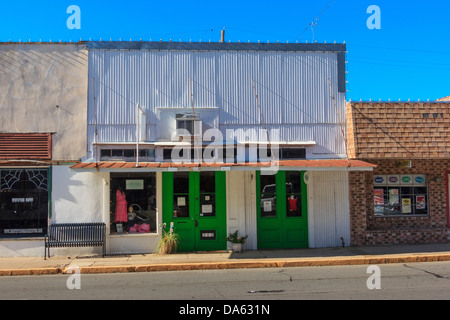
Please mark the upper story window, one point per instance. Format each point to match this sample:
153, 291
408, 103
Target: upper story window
231, 154
292, 153
190, 123
126, 154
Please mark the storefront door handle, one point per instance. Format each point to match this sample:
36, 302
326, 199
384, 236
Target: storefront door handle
196, 222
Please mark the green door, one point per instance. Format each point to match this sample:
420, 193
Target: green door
196, 204
282, 210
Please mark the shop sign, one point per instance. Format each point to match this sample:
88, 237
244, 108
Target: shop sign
404, 164
406, 180
21, 200
208, 235
135, 184
20, 231
419, 180
379, 180
393, 180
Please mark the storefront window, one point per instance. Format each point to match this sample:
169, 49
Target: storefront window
207, 194
181, 195
400, 195
133, 203
268, 196
23, 202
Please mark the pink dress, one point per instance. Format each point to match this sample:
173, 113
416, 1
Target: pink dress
121, 207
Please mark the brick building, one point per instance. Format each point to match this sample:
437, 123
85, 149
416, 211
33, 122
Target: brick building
405, 200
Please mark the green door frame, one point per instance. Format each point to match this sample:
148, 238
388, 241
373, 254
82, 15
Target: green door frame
198, 232
281, 231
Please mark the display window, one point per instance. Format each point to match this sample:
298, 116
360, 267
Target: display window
24, 199
133, 203
400, 195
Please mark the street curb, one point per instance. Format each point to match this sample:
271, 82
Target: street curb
388, 259
264, 264
30, 272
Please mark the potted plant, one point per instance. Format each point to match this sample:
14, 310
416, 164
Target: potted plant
169, 241
236, 241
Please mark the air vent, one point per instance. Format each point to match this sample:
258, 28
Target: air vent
26, 146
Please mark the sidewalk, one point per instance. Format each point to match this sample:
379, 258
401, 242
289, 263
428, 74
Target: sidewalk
228, 260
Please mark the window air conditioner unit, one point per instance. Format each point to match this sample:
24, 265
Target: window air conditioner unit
188, 125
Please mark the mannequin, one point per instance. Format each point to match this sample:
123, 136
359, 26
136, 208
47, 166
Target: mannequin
131, 217
121, 207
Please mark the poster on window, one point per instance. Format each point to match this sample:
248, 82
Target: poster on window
267, 206
378, 197
207, 208
393, 197
181, 201
406, 205
420, 202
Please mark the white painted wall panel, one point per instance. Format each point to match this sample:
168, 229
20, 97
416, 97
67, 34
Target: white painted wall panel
241, 206
77, 197
328, 209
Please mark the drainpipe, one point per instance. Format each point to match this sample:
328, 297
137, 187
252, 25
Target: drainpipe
139, 117
137, 135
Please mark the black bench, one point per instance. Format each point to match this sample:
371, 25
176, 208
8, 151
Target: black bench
75, 235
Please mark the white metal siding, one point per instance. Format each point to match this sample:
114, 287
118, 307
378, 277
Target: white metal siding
328, 209
292, 88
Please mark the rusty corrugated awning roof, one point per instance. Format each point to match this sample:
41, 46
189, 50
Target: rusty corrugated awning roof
328, 164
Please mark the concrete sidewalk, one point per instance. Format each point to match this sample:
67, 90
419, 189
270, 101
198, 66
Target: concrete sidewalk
227, 260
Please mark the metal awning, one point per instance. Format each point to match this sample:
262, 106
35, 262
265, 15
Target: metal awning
307, 165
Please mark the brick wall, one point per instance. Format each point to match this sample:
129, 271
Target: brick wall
367, 229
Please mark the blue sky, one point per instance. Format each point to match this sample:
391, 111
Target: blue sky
408, 58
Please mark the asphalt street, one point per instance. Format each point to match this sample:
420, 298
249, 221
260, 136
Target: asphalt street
422, 281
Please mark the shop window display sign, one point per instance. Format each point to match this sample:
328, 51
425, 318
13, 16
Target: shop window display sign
397, 195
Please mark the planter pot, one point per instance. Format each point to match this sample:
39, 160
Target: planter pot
237, 247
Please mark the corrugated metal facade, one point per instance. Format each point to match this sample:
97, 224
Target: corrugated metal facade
292, 87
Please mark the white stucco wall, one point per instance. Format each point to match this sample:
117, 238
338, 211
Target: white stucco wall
43, 88
78, 196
